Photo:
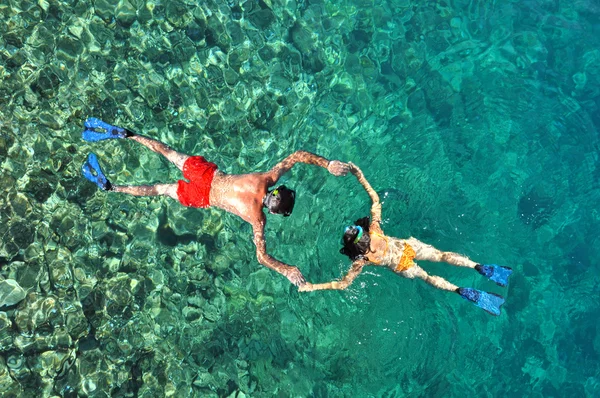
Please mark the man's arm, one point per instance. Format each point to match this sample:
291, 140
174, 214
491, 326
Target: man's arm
335, 167
376, 206
346, 281
290, 272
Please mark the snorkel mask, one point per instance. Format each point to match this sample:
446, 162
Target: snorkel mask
358, 235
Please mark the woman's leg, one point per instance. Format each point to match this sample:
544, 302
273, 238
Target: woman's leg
177, 158
417, 272
427, 252
490, 302
169, 190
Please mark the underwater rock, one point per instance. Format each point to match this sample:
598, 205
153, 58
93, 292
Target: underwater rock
125, 13
230, 76
52, 363
60, 270
47, 83
216, 34
41, 184
279, 80
6, 338
302, 38
21, 233
6, 142
178, 14
237, 57
50, 120
38, 311
191, 314
536, 206
20, 204
68, 48
184, 50
211, 313
27, 274
261, 18
75, 321
203, 379
137, 255
261, 282
17, 59
18, 368
8, 385
219, 265
10, 293
530, 48
106, 8
236, 33
262, 112
195, 32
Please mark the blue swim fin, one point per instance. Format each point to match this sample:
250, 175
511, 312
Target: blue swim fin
495, 273
91, 134
92, 171
490, 302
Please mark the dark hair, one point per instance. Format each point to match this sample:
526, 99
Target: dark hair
352, 249
281, 200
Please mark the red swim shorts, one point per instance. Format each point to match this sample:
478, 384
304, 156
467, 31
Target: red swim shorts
196, 193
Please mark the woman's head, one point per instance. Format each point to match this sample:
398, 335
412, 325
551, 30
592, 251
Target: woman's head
281, 200
356, 239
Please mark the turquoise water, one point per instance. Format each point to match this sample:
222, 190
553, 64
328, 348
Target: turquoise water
476, 121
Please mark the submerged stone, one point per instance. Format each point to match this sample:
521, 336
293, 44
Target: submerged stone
50, 120
10, 293
219, 265
5, 332
125, 13
178, 14
106, 8
69, 48
47, 83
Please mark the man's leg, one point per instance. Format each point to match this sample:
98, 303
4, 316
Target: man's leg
169, 190
427, 252
93, 172
97, 130
177, 158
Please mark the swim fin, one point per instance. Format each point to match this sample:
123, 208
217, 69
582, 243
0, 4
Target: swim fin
92, 171
495, 273
91, 135
490, 302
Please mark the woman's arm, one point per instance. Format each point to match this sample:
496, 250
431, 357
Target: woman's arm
376, 206
346, 281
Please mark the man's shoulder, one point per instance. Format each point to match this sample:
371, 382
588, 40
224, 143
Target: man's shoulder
254, 179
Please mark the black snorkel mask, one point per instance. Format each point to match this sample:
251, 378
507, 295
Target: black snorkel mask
281, 197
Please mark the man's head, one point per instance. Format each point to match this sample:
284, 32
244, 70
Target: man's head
280, 200
356, 239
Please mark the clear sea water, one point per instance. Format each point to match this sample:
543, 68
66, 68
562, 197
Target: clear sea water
477, 121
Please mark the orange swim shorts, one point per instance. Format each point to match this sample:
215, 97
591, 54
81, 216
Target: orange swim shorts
407, 258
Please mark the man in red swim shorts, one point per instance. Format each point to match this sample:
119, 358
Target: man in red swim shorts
244, 195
